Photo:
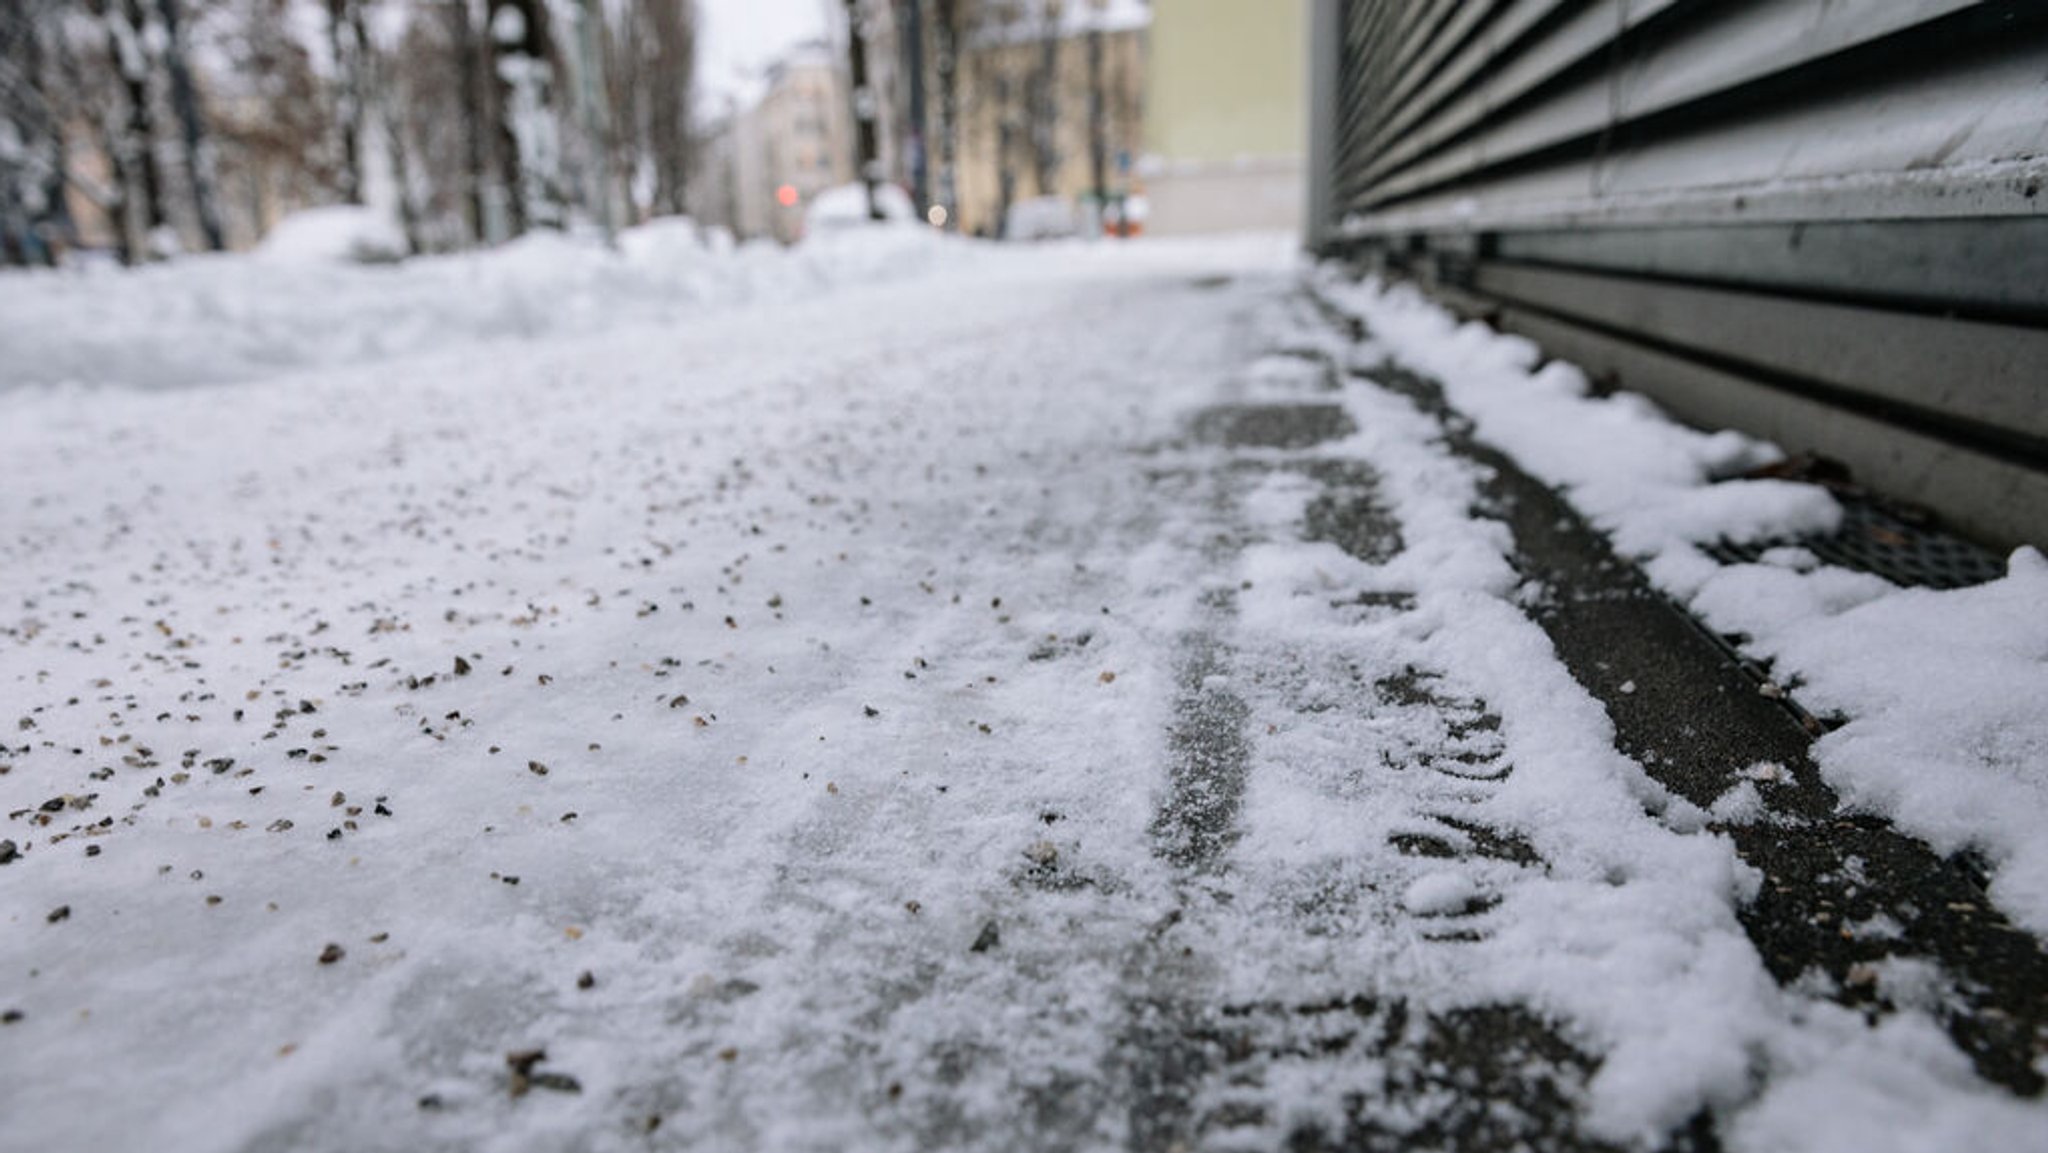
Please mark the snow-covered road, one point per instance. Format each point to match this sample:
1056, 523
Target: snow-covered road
1045, 703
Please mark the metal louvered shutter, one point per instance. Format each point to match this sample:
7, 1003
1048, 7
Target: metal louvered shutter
1823, 221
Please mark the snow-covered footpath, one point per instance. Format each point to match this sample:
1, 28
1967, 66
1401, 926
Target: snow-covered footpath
761, 707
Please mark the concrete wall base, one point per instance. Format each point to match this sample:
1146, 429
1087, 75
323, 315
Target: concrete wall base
1262, 195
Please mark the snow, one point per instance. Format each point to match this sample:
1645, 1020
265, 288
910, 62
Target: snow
1437, 894
1042, 218
1942, 690
210, 320
846, 206
337, 233
813, 648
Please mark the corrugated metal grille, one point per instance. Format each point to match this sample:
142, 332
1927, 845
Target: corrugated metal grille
1874, 541
1823, 220
1528, 111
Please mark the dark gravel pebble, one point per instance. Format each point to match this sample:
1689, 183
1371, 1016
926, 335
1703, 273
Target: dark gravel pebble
990, 937
522, 1061
559, 1082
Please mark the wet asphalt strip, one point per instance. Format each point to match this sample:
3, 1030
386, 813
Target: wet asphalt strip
1693, 712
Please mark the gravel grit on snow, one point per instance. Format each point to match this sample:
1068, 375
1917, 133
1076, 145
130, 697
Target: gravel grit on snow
813, 722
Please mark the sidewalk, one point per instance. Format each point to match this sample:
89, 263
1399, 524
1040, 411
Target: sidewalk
1081, 699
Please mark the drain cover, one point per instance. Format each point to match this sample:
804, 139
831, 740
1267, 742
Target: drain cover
1874, 541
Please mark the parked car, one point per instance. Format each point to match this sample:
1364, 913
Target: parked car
846, 206
1125, 215
1041, 218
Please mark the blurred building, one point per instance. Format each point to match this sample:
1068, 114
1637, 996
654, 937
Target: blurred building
758, 168
714, 181
1041, 88
1226, 132
805, 128
1031, 75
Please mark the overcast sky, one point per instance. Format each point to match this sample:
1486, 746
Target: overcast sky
740, 37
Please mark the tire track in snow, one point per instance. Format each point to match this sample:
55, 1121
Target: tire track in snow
1207, 1071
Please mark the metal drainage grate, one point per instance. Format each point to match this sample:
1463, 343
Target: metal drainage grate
1874, 541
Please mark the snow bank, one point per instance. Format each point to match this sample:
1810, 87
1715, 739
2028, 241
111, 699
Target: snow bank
1942, 690
336, 233
302, 301
846, 206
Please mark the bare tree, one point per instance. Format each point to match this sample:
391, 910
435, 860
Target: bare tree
438, 142
477, 113
522, 57
131, 143
86, 92
210, 117
625, 74
995, 81
34, 220
1043, 99
199, 161
350, 45
946, 36
650, 62
670, 38
270, 113
867, 152
1098, 135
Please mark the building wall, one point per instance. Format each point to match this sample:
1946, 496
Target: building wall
1226, 131
800, 134
806, 134
996, 85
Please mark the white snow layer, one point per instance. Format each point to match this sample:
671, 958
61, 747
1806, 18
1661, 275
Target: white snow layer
802, 673
334, 234
1945, 692
303, 301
